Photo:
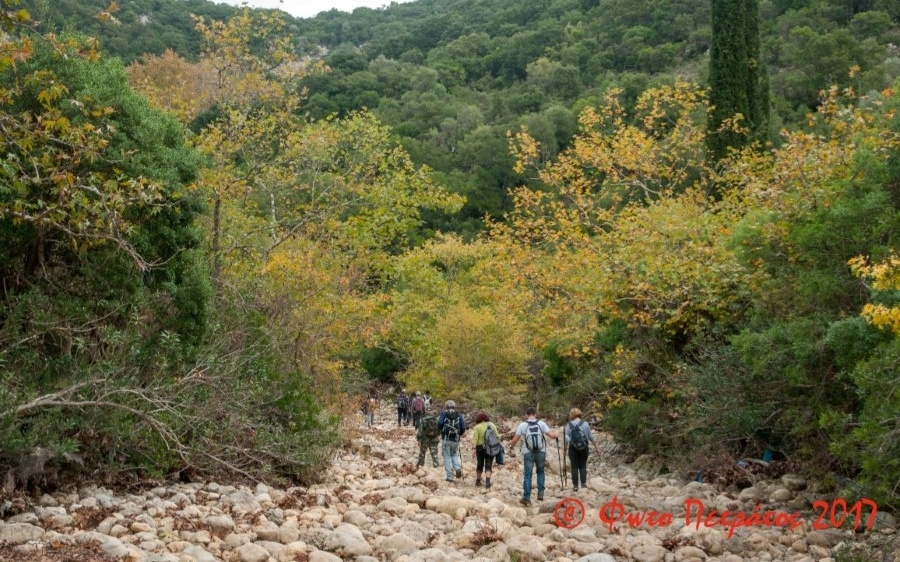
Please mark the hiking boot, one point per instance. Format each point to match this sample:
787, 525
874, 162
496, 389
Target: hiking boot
525, 502
575, 488
540, 497
478, 482
487, 482
459, 473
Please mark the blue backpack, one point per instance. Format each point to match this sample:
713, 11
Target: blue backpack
577, 440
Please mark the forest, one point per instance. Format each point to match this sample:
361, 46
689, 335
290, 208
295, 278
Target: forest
218, 236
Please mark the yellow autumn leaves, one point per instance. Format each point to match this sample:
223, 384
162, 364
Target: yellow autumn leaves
884, 277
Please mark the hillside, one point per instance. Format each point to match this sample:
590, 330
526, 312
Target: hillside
452, 77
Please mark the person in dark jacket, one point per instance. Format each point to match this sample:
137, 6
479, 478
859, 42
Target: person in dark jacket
452, 426
402, 408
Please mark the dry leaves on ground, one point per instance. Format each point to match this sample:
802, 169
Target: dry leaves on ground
57, 552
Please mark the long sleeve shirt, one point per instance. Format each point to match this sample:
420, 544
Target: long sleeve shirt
585, 428
479, 431
443, 418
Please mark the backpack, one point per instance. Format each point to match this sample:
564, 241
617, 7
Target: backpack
429, 427
451, 426
402, 401
577, 440
534, 437
418, 405
492, 446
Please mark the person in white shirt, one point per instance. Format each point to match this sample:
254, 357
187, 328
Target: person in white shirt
533, 433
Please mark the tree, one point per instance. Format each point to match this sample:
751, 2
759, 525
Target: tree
454, 318
183, 88
105, 291
306, 214
738, 92
620, 264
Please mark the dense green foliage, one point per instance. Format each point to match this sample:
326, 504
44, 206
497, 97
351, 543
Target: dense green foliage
451, 77
110, 355
136, 27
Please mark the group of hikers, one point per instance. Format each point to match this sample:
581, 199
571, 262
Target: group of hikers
449, 426
410, 409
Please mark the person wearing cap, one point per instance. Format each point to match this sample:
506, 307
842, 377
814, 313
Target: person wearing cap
452, 426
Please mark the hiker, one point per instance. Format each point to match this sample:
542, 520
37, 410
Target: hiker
452, 427
427, 398
402, 408
369, 406
428, 434
418, 408
578, 438
533, 433
486, 440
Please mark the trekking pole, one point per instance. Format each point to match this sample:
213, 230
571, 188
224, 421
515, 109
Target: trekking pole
562, 477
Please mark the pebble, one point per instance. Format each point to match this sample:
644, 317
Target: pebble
389, 509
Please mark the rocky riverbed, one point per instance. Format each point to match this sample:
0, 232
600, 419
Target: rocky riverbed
375, 504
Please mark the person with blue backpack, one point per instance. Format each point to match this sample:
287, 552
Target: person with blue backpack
533, 433
579, 438
452, 426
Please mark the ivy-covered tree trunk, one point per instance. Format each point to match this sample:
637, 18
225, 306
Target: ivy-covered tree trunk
757, 78
736, 79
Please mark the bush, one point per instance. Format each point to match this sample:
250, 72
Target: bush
629, 424
728, 408
872, 443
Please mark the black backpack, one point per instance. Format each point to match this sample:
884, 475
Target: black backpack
577, 440
451, 426
534, 437
402, 401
